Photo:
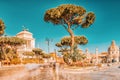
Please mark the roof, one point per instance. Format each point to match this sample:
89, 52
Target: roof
113, 46
24, 32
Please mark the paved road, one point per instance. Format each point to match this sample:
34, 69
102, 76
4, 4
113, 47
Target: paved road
29, 73
112, 73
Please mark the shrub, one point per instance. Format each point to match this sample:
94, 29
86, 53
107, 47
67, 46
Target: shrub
15, 61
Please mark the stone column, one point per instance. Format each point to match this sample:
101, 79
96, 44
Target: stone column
96, 52
57, 71
119, 53
87, 54
0, 64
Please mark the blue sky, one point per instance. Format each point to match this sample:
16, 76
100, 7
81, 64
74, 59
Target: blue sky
30, 13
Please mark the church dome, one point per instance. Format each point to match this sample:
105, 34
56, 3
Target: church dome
113, 46
24, 32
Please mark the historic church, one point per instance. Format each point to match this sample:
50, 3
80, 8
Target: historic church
113, 53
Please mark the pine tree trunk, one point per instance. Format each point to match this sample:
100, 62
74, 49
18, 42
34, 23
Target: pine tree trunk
3, 52
72, 40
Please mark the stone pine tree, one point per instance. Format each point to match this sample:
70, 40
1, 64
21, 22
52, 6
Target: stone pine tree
65, 42
64, 46
70, 17
2, 28
38, 52
10, 43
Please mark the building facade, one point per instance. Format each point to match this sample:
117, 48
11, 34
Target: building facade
30, 41
113, 53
